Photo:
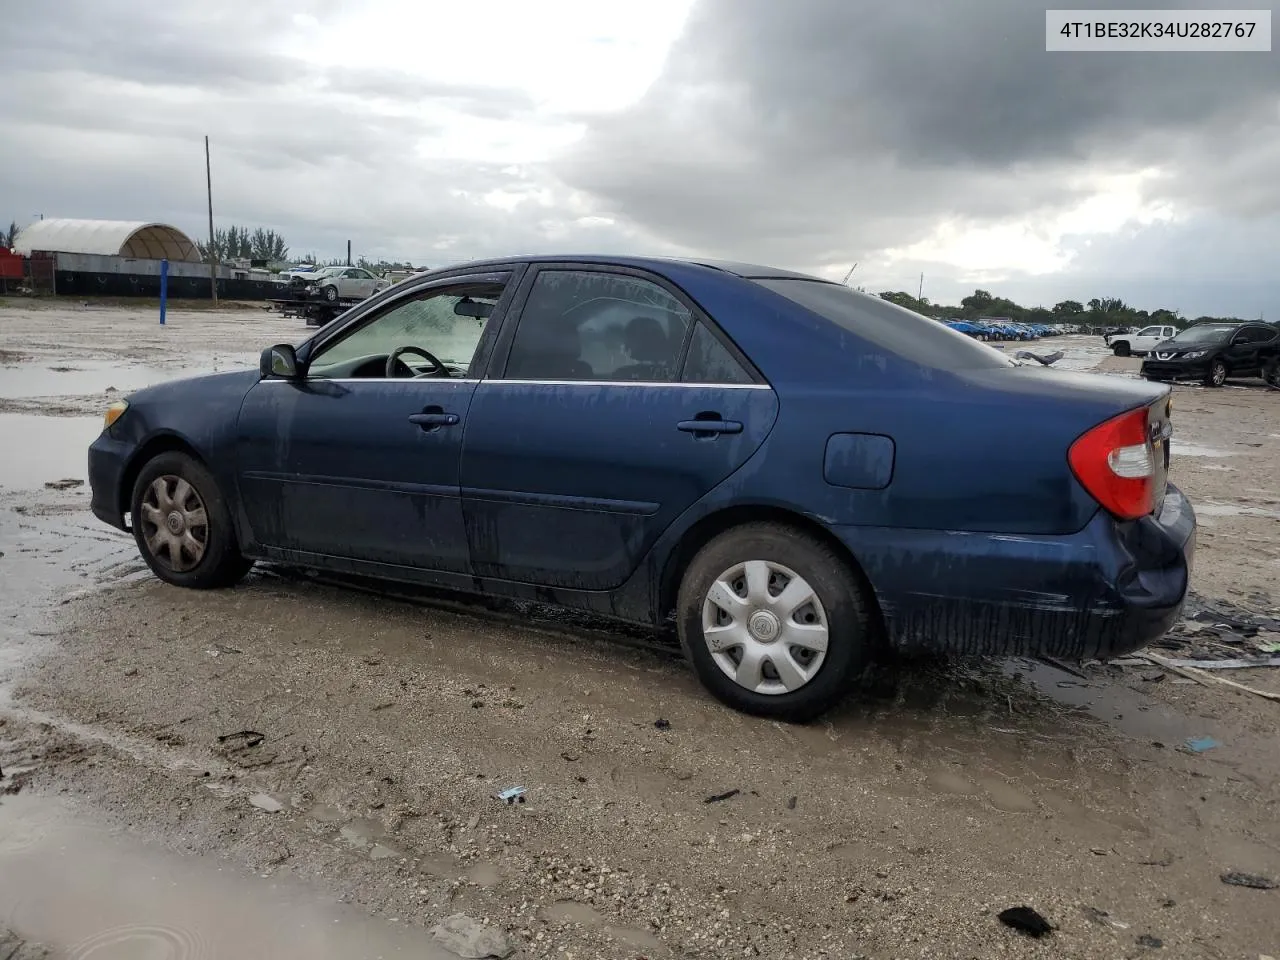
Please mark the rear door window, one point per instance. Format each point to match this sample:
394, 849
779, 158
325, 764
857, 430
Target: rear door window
594, 325
710, 361
896, 329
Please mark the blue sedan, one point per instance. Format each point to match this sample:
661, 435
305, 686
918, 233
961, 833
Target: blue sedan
800, 476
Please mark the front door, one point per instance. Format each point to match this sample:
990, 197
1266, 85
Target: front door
358, 459
618, 409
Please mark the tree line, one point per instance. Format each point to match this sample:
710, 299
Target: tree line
1098, 312
235, 242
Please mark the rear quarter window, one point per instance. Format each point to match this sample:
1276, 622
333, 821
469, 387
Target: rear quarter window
895, 329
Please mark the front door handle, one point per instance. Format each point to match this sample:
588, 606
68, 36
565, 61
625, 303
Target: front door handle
709, 428
434, 420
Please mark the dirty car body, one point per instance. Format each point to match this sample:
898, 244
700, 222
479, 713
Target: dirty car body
796, 472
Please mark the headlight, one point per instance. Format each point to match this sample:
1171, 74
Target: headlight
1194, 355
114, 412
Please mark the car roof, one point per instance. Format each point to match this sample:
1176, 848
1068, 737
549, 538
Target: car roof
749, 271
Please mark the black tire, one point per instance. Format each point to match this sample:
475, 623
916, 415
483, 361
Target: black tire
331, 294
847, 607
221, 563
1217, 374
1120, 349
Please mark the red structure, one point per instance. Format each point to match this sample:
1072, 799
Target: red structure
10, 265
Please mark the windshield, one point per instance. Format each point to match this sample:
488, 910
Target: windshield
904, 332
1204, 333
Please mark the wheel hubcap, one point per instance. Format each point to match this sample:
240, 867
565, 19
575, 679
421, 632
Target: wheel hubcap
765, 627
175, 524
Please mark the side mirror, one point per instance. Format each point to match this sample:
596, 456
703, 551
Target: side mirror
279, 361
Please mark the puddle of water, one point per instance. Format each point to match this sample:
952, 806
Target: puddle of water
45, 448
1128, 711
96, 895
571, 911
77, 379
84, 377
1180, 448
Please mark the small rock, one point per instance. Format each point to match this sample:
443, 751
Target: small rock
472, 939
1147, 940
264, 802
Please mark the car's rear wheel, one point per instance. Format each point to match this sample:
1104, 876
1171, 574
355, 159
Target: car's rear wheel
183, 526
1121, 349
1217, 374
774, 622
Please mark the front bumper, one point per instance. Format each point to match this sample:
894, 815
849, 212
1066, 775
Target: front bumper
1175, 370
1105, 591
108, 462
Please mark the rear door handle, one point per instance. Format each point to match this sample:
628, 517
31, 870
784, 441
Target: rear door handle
709, 427
433, 421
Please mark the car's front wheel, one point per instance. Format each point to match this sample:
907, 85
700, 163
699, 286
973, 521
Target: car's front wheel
1121, 349
1217, 374
183, 525
774, 622
331, 294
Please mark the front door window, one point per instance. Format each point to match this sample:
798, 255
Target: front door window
436, 334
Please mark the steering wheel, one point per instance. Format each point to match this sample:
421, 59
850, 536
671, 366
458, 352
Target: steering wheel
393, 359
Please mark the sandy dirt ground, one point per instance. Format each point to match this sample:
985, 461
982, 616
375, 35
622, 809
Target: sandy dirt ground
305, 756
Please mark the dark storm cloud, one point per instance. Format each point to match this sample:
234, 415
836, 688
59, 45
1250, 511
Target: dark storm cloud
825, 129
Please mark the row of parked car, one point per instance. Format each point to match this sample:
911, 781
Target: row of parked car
990, 330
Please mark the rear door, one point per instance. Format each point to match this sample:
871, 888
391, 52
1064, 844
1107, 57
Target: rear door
614, 406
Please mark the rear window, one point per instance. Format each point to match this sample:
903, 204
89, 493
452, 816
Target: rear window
893, 328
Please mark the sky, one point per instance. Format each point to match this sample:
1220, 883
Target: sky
933, 139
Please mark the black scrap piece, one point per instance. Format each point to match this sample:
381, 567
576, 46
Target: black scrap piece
722, 796
1025, 920
1254, 881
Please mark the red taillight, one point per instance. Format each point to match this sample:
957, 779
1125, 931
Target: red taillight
1115, 462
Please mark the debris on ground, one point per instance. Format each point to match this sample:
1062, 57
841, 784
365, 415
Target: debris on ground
14, 947
1147, 940
791, 804
67, 484
1201, 744
1046, 358
722, 796
1253, 881
472, 939
512, 794
662, 724
1025, 920
266, 802
1103, 918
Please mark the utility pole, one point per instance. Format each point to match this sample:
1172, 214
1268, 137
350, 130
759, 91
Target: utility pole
845, 281
920, 290
348, 253
213, 253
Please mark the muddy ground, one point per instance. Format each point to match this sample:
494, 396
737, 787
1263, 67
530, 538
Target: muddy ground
291, 756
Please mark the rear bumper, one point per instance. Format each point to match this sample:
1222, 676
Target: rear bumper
1105, 591
108, 459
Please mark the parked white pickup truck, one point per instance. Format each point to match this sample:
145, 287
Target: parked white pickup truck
1137, 344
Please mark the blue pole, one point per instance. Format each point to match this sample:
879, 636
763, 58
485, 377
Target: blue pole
164, 288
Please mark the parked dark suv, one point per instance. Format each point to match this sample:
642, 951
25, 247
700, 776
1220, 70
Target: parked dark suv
1211, 352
